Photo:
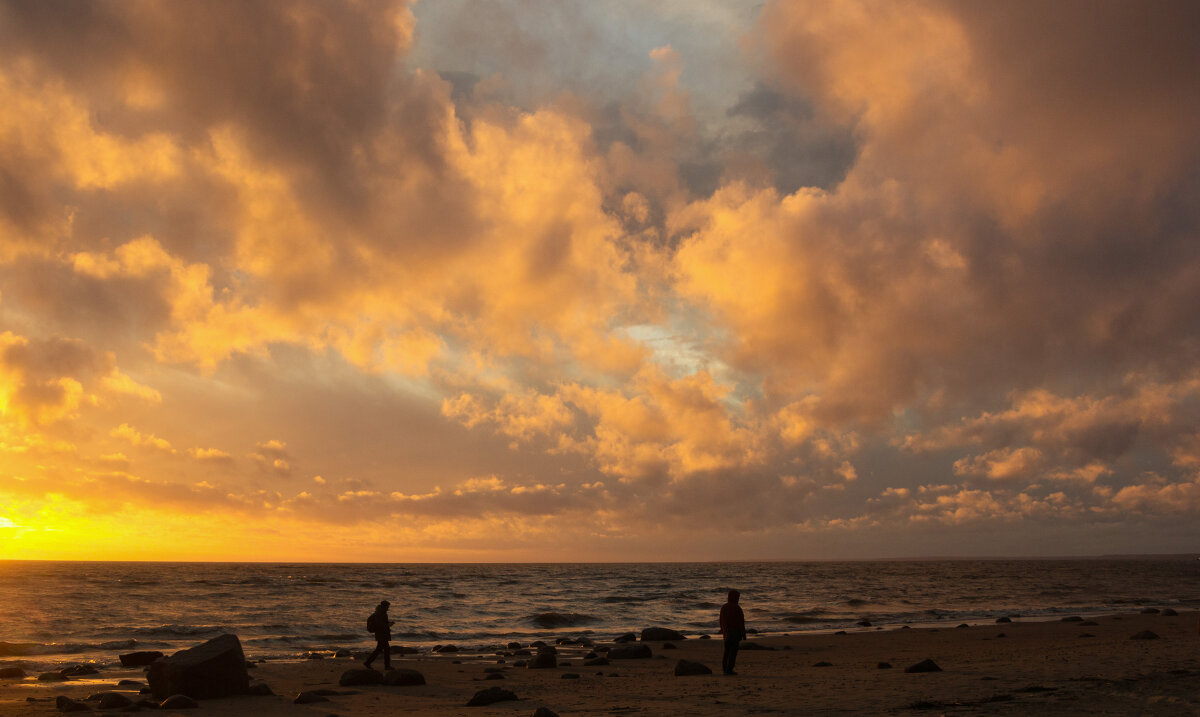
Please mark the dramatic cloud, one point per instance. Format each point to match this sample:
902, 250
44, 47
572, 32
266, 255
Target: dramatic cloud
499, 281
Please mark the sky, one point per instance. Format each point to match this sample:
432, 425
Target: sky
622, 281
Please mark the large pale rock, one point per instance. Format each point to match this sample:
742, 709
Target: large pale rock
216, 668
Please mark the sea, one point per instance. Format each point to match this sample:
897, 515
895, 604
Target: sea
54, 614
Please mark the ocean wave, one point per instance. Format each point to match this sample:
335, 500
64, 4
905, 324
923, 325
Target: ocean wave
17, 649
550, 620
181, 630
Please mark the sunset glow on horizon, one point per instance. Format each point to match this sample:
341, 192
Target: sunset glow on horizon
522, 281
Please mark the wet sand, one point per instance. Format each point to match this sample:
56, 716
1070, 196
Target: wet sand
1062, 668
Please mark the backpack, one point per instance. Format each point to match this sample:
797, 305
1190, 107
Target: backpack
373, 623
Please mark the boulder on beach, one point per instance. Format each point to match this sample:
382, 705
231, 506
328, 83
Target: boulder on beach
658, 634
544, 712
596, 662
490, 696
309, 697
1004, 619
178, 702
630, 652
687, 668
1150, 611
140, 658
627, 637
1169, 612
114, 700
66, 704
216, 668
1144, 635
1072, 618
884, 666
514, 646
260, 689
11, 672
446, 648
55, 676
926, 665
80, 670
545, 659
360, 676
403, 677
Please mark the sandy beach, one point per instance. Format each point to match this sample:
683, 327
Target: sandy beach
1087, 667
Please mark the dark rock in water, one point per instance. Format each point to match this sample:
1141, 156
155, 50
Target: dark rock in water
566, 641
905, 627
11, 672
551, 620
545, 659
491, 695
1169, 612
1089, 623
570, 676
131, 683
669, 646
1072, 618
1150, 611
884, 666
403, 677
546, 649
1003, 619
863, 623
706, 637
687, 668
514, 646
259, 689
360, 676
751, 631
307, 698
840, 632
216, 668
178, 702
924, 666
627, 637
446, 648
57, 676
538, 643
595, 662
80, 670
114, 700
630, 652
657, 634
138, 659
591, 655
314, 656
544, 712
964, 625
823, 663
1144, 635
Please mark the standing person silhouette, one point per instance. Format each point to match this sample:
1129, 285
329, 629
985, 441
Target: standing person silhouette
733, 627
379, 624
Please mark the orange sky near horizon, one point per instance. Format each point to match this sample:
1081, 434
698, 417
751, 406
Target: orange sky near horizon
508, 281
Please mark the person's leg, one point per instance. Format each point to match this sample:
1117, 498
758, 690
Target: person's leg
387, 654
374, 654
729, 656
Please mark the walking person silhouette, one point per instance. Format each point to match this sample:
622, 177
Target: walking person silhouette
379, 624
733, 627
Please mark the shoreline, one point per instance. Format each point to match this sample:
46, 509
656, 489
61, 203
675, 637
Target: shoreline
1083, 667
